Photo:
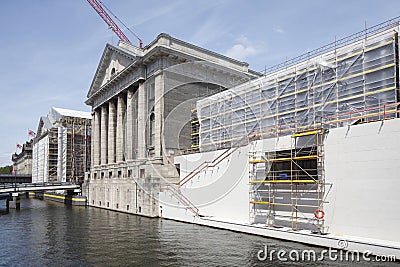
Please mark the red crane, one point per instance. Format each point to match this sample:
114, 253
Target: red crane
97, 5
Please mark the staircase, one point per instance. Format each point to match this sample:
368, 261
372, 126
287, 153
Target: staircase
176, 193
218, 159
174, 189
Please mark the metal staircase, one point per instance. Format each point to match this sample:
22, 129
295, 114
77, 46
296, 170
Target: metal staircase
174, 189
176, 193
243, 141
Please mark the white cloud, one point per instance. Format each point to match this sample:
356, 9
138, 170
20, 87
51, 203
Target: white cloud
278, 29
243, 39
240, 51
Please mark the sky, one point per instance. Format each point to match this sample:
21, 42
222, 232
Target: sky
50, 49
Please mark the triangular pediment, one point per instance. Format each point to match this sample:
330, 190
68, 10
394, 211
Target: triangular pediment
112, 62
43, 126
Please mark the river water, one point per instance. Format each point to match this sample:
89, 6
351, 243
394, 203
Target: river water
45, 233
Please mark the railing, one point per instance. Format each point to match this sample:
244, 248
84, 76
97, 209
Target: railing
15, 178
37, 186
335, 45
217, 160
180, 197
378, 113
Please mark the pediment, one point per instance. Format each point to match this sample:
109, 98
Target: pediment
42, 126
112, 62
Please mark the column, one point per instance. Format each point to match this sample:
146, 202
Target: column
129, 125
159, 113
120, 129
96, 142
112, 128
104, 133
142, 111
92, 141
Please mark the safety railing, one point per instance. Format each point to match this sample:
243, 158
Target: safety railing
218, 159
181, 198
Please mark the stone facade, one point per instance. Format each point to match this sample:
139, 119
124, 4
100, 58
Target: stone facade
141, 105
23, 161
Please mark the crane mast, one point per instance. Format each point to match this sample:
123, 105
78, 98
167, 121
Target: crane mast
110, 22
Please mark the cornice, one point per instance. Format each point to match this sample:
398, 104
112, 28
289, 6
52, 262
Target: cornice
103, 64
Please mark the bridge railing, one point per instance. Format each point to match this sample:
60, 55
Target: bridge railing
35, 185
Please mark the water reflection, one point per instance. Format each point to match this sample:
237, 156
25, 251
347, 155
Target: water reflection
50, 234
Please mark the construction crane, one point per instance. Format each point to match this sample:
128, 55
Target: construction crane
97, 5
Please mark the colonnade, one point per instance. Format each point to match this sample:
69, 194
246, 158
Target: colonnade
113, 129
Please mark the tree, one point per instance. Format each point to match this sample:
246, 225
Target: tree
6, 169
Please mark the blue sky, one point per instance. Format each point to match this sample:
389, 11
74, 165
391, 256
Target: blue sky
49, 49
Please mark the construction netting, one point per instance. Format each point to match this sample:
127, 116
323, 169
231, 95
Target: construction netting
347, 85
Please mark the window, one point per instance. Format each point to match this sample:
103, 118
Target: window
99, 203
141, 173
178, 168
117, 205
127, 207
140, 209
93, 202
112, 71
110, 174
108, 204
119, 174
152, 133
95, 175
102, 175
129, 173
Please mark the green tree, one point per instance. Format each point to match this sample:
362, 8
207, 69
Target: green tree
6, 169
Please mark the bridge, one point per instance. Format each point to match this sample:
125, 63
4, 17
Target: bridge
34, 187
10, 192
15, 178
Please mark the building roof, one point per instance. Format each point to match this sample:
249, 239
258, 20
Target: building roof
73, 113
55, 115
138, 58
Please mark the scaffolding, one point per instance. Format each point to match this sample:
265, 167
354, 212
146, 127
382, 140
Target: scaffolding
352, 80
287, 187
194, 131
76, 150
355, 81
61, 149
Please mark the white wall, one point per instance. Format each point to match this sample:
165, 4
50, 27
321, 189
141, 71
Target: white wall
362, 163
220, 191
40, 152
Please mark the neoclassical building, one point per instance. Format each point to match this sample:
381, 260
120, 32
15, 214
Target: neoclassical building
23, 161
142, 102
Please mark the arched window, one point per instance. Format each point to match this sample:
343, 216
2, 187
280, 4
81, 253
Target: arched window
112, 71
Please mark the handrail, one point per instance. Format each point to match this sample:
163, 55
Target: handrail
36, 185
334, 45
216, 161
185, 201
383, 113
